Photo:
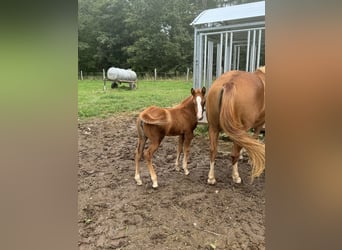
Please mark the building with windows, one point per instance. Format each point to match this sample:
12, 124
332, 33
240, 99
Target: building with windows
228, 38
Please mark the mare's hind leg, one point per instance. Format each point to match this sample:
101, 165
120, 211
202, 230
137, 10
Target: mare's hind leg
148, 154
257, 131
235, 158
179, 150
138, 154
213, 137
187, 141
243, 150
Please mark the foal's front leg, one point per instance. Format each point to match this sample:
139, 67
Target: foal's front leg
187, 141
179, 150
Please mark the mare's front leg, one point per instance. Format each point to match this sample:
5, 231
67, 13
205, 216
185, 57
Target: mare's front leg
179, 150
213, 137
235, 158
148, 154
187, 140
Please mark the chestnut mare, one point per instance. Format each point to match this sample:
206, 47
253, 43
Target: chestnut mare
155, 123
236, 104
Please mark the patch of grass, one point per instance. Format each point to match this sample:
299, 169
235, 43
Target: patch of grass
201, 129
94, 102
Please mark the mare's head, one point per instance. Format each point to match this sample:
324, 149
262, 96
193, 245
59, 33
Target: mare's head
198, 98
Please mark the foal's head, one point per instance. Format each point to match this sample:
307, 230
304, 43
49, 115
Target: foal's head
198, 98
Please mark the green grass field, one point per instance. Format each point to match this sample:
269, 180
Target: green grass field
93, 101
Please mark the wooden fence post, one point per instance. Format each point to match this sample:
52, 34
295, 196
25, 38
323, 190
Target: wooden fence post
81, 75
187, 74
155, 74
104, 80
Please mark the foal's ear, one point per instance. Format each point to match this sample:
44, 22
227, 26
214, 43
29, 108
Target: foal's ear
192, 91
204, 90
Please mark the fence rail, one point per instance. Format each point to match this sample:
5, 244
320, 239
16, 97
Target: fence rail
187, 76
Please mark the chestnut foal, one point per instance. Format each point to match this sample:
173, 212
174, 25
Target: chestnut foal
154, 123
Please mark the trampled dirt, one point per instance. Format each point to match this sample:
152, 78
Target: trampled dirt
184, 212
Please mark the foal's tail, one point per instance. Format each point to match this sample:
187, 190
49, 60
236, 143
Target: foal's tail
233, 127
141, 136
140, 127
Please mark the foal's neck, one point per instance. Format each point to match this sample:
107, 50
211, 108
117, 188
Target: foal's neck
188, 104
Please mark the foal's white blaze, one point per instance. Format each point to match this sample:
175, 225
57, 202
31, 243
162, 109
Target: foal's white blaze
199, 107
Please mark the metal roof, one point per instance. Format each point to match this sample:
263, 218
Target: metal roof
241, 11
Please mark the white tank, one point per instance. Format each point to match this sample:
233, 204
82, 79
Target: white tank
117, 74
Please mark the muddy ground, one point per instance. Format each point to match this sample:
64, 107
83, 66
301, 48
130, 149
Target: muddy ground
184, 212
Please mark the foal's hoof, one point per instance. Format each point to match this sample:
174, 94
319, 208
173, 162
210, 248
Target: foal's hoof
186, 172
211, 181
155, 185
138, 181
177, 169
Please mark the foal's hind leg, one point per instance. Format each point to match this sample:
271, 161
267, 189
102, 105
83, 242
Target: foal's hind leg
138, 154
148, 154
235, 158
187, 141
179, 150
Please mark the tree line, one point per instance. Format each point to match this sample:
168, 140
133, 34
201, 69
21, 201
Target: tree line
139, 34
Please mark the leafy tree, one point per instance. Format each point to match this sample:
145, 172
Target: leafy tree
86, 36
163, 37
141, 34
102, 34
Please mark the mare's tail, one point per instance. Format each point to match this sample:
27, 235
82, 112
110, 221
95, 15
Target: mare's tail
233, 127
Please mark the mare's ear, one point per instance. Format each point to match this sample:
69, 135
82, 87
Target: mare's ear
192, 91
204, 90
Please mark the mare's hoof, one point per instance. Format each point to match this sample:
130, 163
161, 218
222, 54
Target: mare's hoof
155, 185
177, 169
237, 179
186, 172
211, 181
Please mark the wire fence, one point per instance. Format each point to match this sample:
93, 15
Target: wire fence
186, 76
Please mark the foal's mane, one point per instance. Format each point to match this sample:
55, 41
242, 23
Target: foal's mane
185, 102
